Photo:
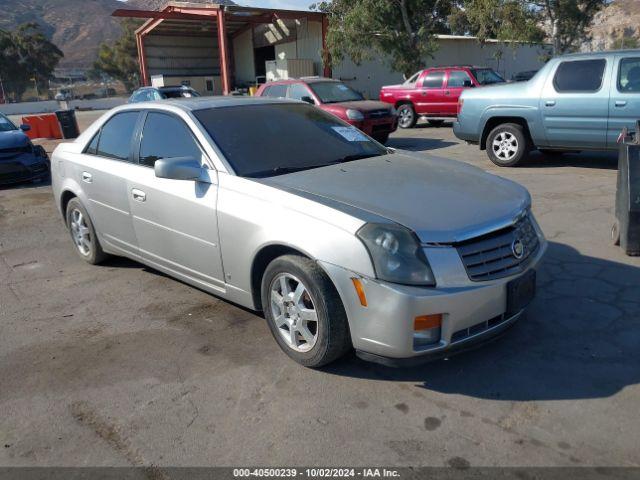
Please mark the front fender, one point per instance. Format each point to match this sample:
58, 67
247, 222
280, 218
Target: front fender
252, 216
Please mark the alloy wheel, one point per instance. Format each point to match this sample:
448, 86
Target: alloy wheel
405, 116
505, 146
80, 232
294, 312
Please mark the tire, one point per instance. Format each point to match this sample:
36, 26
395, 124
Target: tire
382, 138
507, 145
327, 338
436, 123
86, 242
407, 117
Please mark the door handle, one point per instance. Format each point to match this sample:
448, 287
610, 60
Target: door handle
621, 103
550, 103
87, 177
138, 195
447, 92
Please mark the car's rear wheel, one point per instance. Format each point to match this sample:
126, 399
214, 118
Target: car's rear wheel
304, 311
407, 117
436, 123
83, 234
507, 145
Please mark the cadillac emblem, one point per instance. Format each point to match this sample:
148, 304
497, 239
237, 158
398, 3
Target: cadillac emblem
517, 247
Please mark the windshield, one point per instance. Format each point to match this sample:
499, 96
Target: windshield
180, 93
334, 92
274, 139
486, 76
6, 125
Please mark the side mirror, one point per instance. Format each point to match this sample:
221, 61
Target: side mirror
178, 168
468, 84
308, 100
25, 127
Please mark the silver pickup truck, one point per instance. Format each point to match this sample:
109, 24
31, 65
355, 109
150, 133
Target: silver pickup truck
574, 103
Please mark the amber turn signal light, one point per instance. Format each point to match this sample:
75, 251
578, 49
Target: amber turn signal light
425, 322
360, 291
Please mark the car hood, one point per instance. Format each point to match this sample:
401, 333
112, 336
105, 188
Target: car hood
442, 201
362, 105
13, 139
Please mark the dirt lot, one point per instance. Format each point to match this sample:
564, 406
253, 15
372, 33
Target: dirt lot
120, 365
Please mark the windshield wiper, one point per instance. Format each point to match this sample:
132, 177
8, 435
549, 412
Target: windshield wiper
358, 156
281, 170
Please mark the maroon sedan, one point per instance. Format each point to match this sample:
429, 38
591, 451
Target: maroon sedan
376, 119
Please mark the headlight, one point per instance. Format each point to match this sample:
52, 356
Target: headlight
396, 254
355, 115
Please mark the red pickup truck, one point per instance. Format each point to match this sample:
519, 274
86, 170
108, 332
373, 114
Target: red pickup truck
434, 92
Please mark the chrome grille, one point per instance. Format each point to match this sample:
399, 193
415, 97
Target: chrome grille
492, 256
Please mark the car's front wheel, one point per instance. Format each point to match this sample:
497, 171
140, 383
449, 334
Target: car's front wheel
304, 311
407, 117
507, 145
82, 233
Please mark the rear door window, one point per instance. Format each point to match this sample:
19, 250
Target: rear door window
583, 76
457, 79
277, 91
114, 138
629, 75
165, 136
433, 79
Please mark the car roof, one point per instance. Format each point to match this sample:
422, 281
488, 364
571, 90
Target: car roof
303, 80
600, 54
202, 103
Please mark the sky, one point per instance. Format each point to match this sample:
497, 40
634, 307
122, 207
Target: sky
284, 4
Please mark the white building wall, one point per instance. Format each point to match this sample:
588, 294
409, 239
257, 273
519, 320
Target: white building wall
185, 56
370, 76
307, 45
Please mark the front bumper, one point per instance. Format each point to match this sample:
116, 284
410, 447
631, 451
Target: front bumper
473, 312
378, 127
462, 134
23, 168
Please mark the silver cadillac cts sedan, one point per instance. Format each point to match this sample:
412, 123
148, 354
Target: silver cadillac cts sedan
278, 206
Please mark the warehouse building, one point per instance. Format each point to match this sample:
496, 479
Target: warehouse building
219, 48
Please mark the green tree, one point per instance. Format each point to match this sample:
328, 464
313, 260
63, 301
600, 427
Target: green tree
401, 30
500, 19
120, 60
26, 56
567, 21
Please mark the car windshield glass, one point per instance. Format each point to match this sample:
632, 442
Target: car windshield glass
180, 93
334, 92
6, 125
486, 76
274, 139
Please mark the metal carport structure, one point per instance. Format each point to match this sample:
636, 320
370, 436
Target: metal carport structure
222, 23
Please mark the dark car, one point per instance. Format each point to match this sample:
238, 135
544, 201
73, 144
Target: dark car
20, 160
149, 94
372, 117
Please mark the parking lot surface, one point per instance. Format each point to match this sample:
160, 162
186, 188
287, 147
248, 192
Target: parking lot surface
120, 365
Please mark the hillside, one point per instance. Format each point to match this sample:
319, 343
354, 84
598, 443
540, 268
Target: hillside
620, 18
76, 26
